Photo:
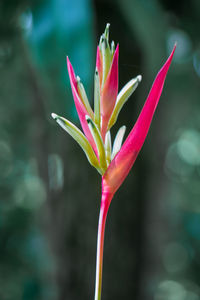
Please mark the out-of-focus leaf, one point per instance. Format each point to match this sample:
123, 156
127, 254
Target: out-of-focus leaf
61, 28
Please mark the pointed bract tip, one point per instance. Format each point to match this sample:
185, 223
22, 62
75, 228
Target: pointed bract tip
54, 116
116, 52
172, 53
106, 32
123, 127
68, 62
113, 46
139, 78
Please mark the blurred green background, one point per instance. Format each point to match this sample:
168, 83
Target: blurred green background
50, 195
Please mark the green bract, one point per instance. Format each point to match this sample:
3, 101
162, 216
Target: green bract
80, 138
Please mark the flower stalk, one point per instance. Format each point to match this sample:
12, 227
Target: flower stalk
105, 202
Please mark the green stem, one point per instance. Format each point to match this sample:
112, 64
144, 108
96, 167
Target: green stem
105, 202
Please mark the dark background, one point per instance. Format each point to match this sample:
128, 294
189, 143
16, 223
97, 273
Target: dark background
50, 196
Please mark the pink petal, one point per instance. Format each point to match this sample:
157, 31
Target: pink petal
122, 163
99, 65
109, 92
81, 110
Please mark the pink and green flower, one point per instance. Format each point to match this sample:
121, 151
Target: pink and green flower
112, 160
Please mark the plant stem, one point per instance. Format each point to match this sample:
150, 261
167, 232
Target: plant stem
105, 202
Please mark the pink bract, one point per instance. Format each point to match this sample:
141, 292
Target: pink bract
124, 160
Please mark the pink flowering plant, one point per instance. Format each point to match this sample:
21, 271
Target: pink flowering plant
112, 161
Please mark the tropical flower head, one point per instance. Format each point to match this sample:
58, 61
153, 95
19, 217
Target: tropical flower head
112, 161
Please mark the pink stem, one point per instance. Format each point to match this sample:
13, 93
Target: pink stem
105, 203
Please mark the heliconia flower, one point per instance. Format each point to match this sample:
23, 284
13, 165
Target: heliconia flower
113, 163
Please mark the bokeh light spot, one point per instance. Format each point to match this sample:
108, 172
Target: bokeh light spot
184, 45
30, 193
170, 290
175, 258
175, 167
56, 172
189, 147
26, 22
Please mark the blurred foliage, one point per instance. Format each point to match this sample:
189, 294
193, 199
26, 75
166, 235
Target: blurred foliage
52, 29
49, 204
